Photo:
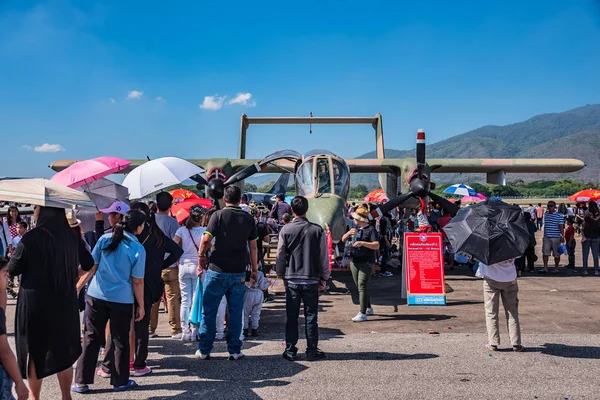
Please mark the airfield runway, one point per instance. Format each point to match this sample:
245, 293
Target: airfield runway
392, 356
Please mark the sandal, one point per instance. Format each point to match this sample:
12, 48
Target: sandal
492, 347
130, 385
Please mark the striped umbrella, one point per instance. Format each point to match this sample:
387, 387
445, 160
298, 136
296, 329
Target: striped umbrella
460, 189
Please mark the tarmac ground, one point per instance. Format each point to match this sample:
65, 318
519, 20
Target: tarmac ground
392, 356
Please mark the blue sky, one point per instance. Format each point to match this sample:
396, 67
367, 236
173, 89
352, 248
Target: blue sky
68, 68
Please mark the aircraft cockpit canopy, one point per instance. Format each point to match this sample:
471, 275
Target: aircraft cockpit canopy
319, 169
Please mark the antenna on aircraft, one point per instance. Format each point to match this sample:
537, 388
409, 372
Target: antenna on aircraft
310, 125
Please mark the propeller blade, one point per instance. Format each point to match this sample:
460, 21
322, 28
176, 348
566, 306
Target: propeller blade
390, 205
253, 169
243, 174
420, 152
448, 207
199, 179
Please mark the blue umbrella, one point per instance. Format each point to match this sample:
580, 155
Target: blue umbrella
461, 189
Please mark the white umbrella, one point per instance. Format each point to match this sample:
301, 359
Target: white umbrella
158, 174
42, 192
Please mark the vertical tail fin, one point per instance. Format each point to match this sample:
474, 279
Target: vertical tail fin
281, 184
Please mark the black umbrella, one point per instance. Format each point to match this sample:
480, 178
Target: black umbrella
489, 232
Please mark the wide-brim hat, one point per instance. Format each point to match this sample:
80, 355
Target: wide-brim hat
361, 214
73, 221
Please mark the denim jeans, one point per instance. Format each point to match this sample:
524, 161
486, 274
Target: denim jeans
309, 295
6, 385
217, 285
385, 256
585, 251
187, 283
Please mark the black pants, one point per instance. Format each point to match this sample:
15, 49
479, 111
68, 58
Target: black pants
142, 337
98, 314
309, 295
530, 257
385, 257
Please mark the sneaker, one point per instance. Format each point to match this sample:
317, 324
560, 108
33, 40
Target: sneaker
316, 355
153, 335
102, 373
235, 356
288, 355
518, 348
177, 336
254, 332
202, 356
220, 336
370, 312
360, 317
142, 372
585, 273
492, 347
77, 388
597, 273
269, 299
130, 385
186, 337
195, 336
386, 273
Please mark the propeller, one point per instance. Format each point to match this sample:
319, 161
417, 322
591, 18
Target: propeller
216, 187
420, 185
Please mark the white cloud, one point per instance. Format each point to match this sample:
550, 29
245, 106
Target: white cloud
212, 102
160, 98
48, 148
135, 95
26, 147
244, 99
111, 100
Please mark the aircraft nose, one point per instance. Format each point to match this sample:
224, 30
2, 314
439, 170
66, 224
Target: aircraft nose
328, 210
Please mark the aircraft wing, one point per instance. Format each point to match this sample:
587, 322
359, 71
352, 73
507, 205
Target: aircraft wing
278, 166
469, 165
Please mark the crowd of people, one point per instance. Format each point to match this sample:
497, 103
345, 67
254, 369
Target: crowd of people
208, 270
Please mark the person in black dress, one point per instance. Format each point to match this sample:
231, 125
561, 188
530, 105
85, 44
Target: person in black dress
47, 333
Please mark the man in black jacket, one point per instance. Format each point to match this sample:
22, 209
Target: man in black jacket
303, 263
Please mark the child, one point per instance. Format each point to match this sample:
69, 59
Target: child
21, 230
9, 371
570, 241
253, 300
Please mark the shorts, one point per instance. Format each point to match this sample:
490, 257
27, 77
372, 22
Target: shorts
550, 247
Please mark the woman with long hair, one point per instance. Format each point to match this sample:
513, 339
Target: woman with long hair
157, 245
117, 283
591, 237
189, 238
47, 330
13, 217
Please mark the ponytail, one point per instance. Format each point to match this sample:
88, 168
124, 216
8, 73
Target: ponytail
131, 221
155, 231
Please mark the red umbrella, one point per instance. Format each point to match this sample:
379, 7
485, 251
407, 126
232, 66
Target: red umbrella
376, 196
586, 195
182, 194
181, 209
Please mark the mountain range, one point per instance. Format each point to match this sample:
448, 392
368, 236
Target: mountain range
570, 134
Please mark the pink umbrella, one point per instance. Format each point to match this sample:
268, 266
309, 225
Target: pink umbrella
473, 199
87, 171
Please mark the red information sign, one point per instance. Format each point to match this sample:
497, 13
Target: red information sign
424, 261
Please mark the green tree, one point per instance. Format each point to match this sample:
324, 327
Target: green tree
250, 187
358, 192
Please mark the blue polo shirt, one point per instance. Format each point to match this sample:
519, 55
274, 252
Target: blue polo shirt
112, 282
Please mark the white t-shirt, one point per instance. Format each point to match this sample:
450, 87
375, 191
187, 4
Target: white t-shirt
504, 271
190, 253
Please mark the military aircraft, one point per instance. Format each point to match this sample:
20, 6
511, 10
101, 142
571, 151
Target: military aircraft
280, 186
324, 177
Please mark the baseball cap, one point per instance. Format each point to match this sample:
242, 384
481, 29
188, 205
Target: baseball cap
117, 207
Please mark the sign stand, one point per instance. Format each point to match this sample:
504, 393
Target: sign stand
423, 269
